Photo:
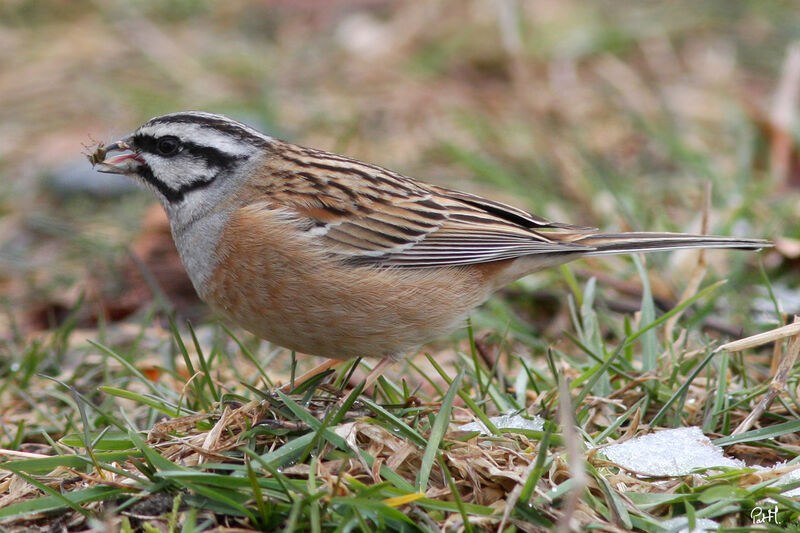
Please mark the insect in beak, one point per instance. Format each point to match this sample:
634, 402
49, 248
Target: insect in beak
121, 164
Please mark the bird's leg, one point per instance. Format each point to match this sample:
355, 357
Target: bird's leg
317, 370
376, 372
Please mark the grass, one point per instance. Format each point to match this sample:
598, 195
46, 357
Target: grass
204, 443
606, 114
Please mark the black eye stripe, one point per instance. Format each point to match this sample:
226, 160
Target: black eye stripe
144, 143
214, 157
216, 161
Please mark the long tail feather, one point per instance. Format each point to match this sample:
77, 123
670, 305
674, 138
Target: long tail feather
626, 243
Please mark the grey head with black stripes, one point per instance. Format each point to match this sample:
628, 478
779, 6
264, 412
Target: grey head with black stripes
190, 158
192, 161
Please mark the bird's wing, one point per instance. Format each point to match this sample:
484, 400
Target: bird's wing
367, 215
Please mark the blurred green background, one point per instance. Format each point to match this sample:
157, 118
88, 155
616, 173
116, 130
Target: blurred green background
606, 113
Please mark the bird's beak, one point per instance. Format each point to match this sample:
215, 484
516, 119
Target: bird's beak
127, 163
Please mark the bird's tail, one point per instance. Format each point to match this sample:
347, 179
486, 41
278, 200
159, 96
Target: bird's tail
627, 243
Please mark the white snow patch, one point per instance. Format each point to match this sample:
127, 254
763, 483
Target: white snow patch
672, 452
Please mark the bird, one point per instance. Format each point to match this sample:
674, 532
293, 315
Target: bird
330, 256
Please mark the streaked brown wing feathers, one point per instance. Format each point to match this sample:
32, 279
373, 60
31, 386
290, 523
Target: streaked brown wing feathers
369, 215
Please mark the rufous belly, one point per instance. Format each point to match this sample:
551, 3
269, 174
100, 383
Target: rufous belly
284, 289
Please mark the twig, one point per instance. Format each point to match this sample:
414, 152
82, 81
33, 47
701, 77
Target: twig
761, 339
778, 384
574, 458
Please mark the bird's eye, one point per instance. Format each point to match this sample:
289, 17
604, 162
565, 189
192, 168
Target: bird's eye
168, 146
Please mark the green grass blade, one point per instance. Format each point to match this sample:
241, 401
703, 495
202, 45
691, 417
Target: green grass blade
437, 434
